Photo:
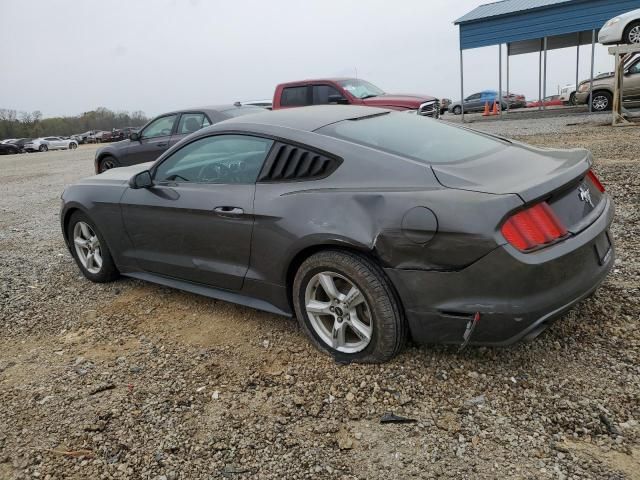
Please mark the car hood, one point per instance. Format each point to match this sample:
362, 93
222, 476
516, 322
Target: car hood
398, 100
118, 175
516, 169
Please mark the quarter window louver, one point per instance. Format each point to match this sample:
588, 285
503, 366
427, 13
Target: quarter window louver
287, 163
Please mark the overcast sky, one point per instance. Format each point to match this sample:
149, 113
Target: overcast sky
64, 57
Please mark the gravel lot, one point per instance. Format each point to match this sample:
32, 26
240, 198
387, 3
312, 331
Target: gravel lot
131, 380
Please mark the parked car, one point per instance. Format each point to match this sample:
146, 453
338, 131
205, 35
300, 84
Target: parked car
8, 149
552, 101
8, 140
20, 143
603, 88
350, 91
346, 224
49, 143
477, 102
162, 132
568, 94
122, 133
624, 28
268, 104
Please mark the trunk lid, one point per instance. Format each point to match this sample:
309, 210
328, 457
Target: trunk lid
559, 177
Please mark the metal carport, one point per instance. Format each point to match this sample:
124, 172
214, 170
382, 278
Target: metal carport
528, 26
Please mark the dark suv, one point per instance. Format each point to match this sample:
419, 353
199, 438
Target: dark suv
162, 132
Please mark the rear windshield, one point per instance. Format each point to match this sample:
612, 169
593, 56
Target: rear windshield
413, 136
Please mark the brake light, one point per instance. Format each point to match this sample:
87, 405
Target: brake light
596, 181
534, 227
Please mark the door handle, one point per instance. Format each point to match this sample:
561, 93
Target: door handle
229, 211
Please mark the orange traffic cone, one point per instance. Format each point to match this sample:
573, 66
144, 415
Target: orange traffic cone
487, 111
496, 108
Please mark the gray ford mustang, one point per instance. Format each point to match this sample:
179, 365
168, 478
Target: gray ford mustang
369, 226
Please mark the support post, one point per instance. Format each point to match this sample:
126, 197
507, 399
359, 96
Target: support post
540, 78
508, 91
462, 83
544, 79
500, 79
593, 56
577, 67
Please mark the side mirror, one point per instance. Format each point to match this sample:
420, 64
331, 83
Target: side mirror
134, 136
339, 99
141, 180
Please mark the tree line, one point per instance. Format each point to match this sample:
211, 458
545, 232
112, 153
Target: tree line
14, 124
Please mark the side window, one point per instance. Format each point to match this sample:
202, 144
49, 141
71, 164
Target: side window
160, 127
50, 139
325, 94
635, 68
190, 122
294, 96
475, 96
217, 159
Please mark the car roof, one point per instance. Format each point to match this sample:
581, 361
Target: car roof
211, 108
304, 118
318, 80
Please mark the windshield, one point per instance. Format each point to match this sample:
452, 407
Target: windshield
413, 136
360, 88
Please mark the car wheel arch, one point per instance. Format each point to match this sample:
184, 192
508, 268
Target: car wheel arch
301, 255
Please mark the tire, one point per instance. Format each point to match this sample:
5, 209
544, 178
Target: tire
572, 99
107, 163
73, 146
106, 271
457, 110
601, 101
43, 148
378, 312
632, 34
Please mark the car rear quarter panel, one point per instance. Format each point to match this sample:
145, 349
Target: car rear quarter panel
361, 206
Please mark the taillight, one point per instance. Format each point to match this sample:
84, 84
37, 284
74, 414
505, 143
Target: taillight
596, 181
534, 227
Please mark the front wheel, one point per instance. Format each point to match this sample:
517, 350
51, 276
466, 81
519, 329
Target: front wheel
73, 145
601, 101
107, 163
632, 34
43, 148
457, 110
347, 307
90, 249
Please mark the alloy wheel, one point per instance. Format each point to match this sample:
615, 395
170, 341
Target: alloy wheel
634, 35
107, 164
600, 103
87, 247
338, 312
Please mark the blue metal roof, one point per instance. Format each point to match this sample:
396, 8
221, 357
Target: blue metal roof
505, 7
520, 20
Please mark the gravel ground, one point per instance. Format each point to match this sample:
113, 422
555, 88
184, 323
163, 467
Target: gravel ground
132, 380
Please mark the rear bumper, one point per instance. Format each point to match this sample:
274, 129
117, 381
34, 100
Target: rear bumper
516, 294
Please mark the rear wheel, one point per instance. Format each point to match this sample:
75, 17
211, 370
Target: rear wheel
601, 101
73, 145
43, 148
572, 99
632, 34
107, 163
347, 307
90, 250
457, 110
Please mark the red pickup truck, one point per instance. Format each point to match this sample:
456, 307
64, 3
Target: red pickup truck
350, 91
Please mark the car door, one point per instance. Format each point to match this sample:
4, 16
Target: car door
189, 123
195, 222
472, 102
632, 83
326, 95
51, 143
152, 141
